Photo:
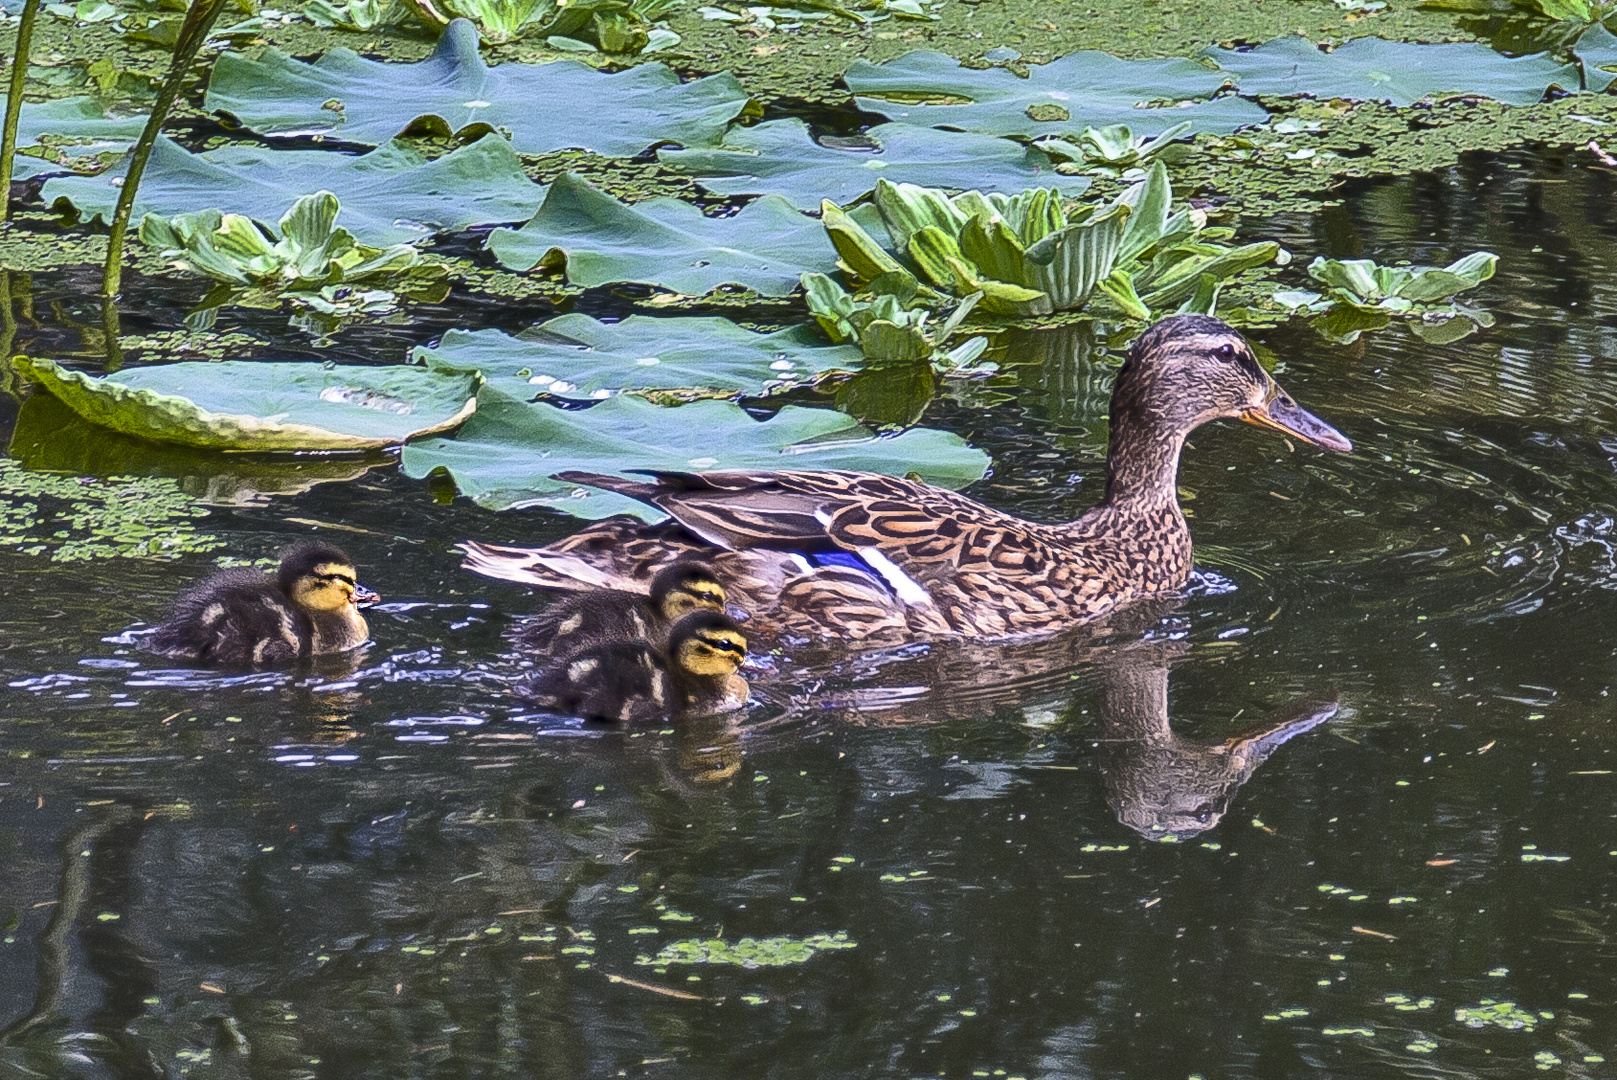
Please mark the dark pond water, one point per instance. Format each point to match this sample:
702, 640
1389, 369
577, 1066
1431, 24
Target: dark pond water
392, 871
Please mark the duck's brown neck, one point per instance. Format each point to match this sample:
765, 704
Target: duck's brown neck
1142, 463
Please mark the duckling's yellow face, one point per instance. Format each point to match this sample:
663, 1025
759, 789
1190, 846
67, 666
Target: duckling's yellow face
695, 595
712, 651
328, 587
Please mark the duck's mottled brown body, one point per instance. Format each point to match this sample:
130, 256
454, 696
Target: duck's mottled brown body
868, 557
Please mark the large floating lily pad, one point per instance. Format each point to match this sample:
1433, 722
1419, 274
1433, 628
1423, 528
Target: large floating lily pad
545, 107
782, 158
268, 406
576, 356
1084, 89
1597, 49
79, 119
507, 455
389, 196
598, 240
1398, 72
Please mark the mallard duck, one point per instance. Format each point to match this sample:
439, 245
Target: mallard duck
605, 615
629, 681
861, 556
241, 618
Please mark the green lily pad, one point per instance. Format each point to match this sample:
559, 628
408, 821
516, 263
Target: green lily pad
79, 119
507, 455
1398, 72
782, 158
1089, 89
1596, 49
545, 107
664, 242
576, 356
391, 195
264, 406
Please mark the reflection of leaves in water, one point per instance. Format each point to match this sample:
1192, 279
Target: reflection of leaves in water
49, 437
74, 518
748, 952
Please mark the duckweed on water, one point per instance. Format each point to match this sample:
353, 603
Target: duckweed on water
77, 518
1501, 1014
748, 952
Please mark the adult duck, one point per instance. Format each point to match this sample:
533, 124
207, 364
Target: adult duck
860, 556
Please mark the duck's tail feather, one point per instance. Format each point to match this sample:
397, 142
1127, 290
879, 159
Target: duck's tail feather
542, 569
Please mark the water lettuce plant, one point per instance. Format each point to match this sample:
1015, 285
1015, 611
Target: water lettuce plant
1362, 295
1113, 150
264, 405
454, 93
1031, 254
507, 455
577, 357
1061, 98
782, 157
391, 195
313, 262
888, 319
611, 26
356, 15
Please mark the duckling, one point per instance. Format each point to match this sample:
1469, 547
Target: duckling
608, 615
244, 618
628, 681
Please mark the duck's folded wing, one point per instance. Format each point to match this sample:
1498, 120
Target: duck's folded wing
733, 510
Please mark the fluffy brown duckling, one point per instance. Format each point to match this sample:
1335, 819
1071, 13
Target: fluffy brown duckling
612, 615
246, 618
627, 681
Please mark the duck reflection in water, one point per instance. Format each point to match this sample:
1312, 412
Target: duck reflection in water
1161, 784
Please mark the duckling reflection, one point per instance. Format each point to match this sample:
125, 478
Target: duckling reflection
1165, 786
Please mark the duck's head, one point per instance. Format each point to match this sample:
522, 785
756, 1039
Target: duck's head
320, 577
1189, 369
707, 643
685, 587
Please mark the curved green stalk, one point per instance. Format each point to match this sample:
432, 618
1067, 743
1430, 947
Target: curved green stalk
199, 20
19, 75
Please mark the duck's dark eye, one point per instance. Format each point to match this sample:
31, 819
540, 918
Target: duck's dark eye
1225, 352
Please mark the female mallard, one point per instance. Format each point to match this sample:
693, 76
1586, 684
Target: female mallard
858, 555
629, 681
245, 618
604, 615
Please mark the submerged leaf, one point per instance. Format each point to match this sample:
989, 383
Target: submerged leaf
264, 406
783, 158
545, 107
576, 356
1093, 89
1398, 72
664, 242
507, 455
391, 195
79, 119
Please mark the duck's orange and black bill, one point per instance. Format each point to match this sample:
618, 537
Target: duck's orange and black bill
1284, 415
364, 597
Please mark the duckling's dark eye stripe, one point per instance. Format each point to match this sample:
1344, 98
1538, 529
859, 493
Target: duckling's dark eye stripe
723, 644
344, 578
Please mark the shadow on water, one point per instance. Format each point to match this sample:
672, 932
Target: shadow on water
923, 862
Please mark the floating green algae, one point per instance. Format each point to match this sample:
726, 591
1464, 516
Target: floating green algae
70, 519
1500, 1014
748, 952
